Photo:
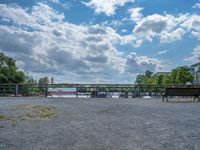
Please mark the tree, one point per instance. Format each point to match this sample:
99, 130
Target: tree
148, 73
30, 80
140, 79
181, 75
167, 79
9, 73
160, 79
44, 80
144, 79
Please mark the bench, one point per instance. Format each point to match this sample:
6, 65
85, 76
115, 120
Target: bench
181, 91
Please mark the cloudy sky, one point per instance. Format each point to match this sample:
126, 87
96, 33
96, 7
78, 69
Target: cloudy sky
99, 41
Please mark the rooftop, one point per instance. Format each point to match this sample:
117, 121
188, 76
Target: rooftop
196, 64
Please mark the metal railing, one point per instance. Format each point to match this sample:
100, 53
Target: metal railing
88, 90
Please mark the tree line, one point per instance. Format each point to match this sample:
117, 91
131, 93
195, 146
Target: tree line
177, 76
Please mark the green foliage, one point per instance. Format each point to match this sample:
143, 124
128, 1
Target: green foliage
148, 73
30, 80
180, 75
44, 80
140, 79
9, 72
144, 79
167, 79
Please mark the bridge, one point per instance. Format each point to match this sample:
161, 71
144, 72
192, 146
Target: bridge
87, 90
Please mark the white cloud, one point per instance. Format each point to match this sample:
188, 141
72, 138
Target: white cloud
41, 15
112, 23
172, 36
162, 52
158, 26
135, 14
55, 1
197, 5
195, 55
124, 30
42, 42
192, 24
107, 6
139, 64
167, 28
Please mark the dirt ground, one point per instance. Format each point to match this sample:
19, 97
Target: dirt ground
98, 124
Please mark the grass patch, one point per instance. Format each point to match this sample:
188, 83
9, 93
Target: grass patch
41, 112
4, 118
29, 112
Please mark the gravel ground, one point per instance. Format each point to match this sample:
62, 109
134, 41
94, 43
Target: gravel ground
98, 124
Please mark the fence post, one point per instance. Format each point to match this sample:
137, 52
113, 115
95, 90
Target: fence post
46, 90
138, 91
16, 90
76, 91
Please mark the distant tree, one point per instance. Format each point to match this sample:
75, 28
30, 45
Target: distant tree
9, 73
30, 80
174, 76
44, 80
144, 79
180, 75
148, 73
140, 79
185, 75
160, 79
167, 79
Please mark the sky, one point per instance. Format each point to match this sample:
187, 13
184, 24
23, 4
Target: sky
99, 41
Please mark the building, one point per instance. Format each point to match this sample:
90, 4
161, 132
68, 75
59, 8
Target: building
192, 70
196, 67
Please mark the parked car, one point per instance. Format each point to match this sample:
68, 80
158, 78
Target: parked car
123, 95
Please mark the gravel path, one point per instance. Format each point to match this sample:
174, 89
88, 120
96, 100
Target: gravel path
102, 124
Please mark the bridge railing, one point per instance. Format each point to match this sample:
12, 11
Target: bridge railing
85, 90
